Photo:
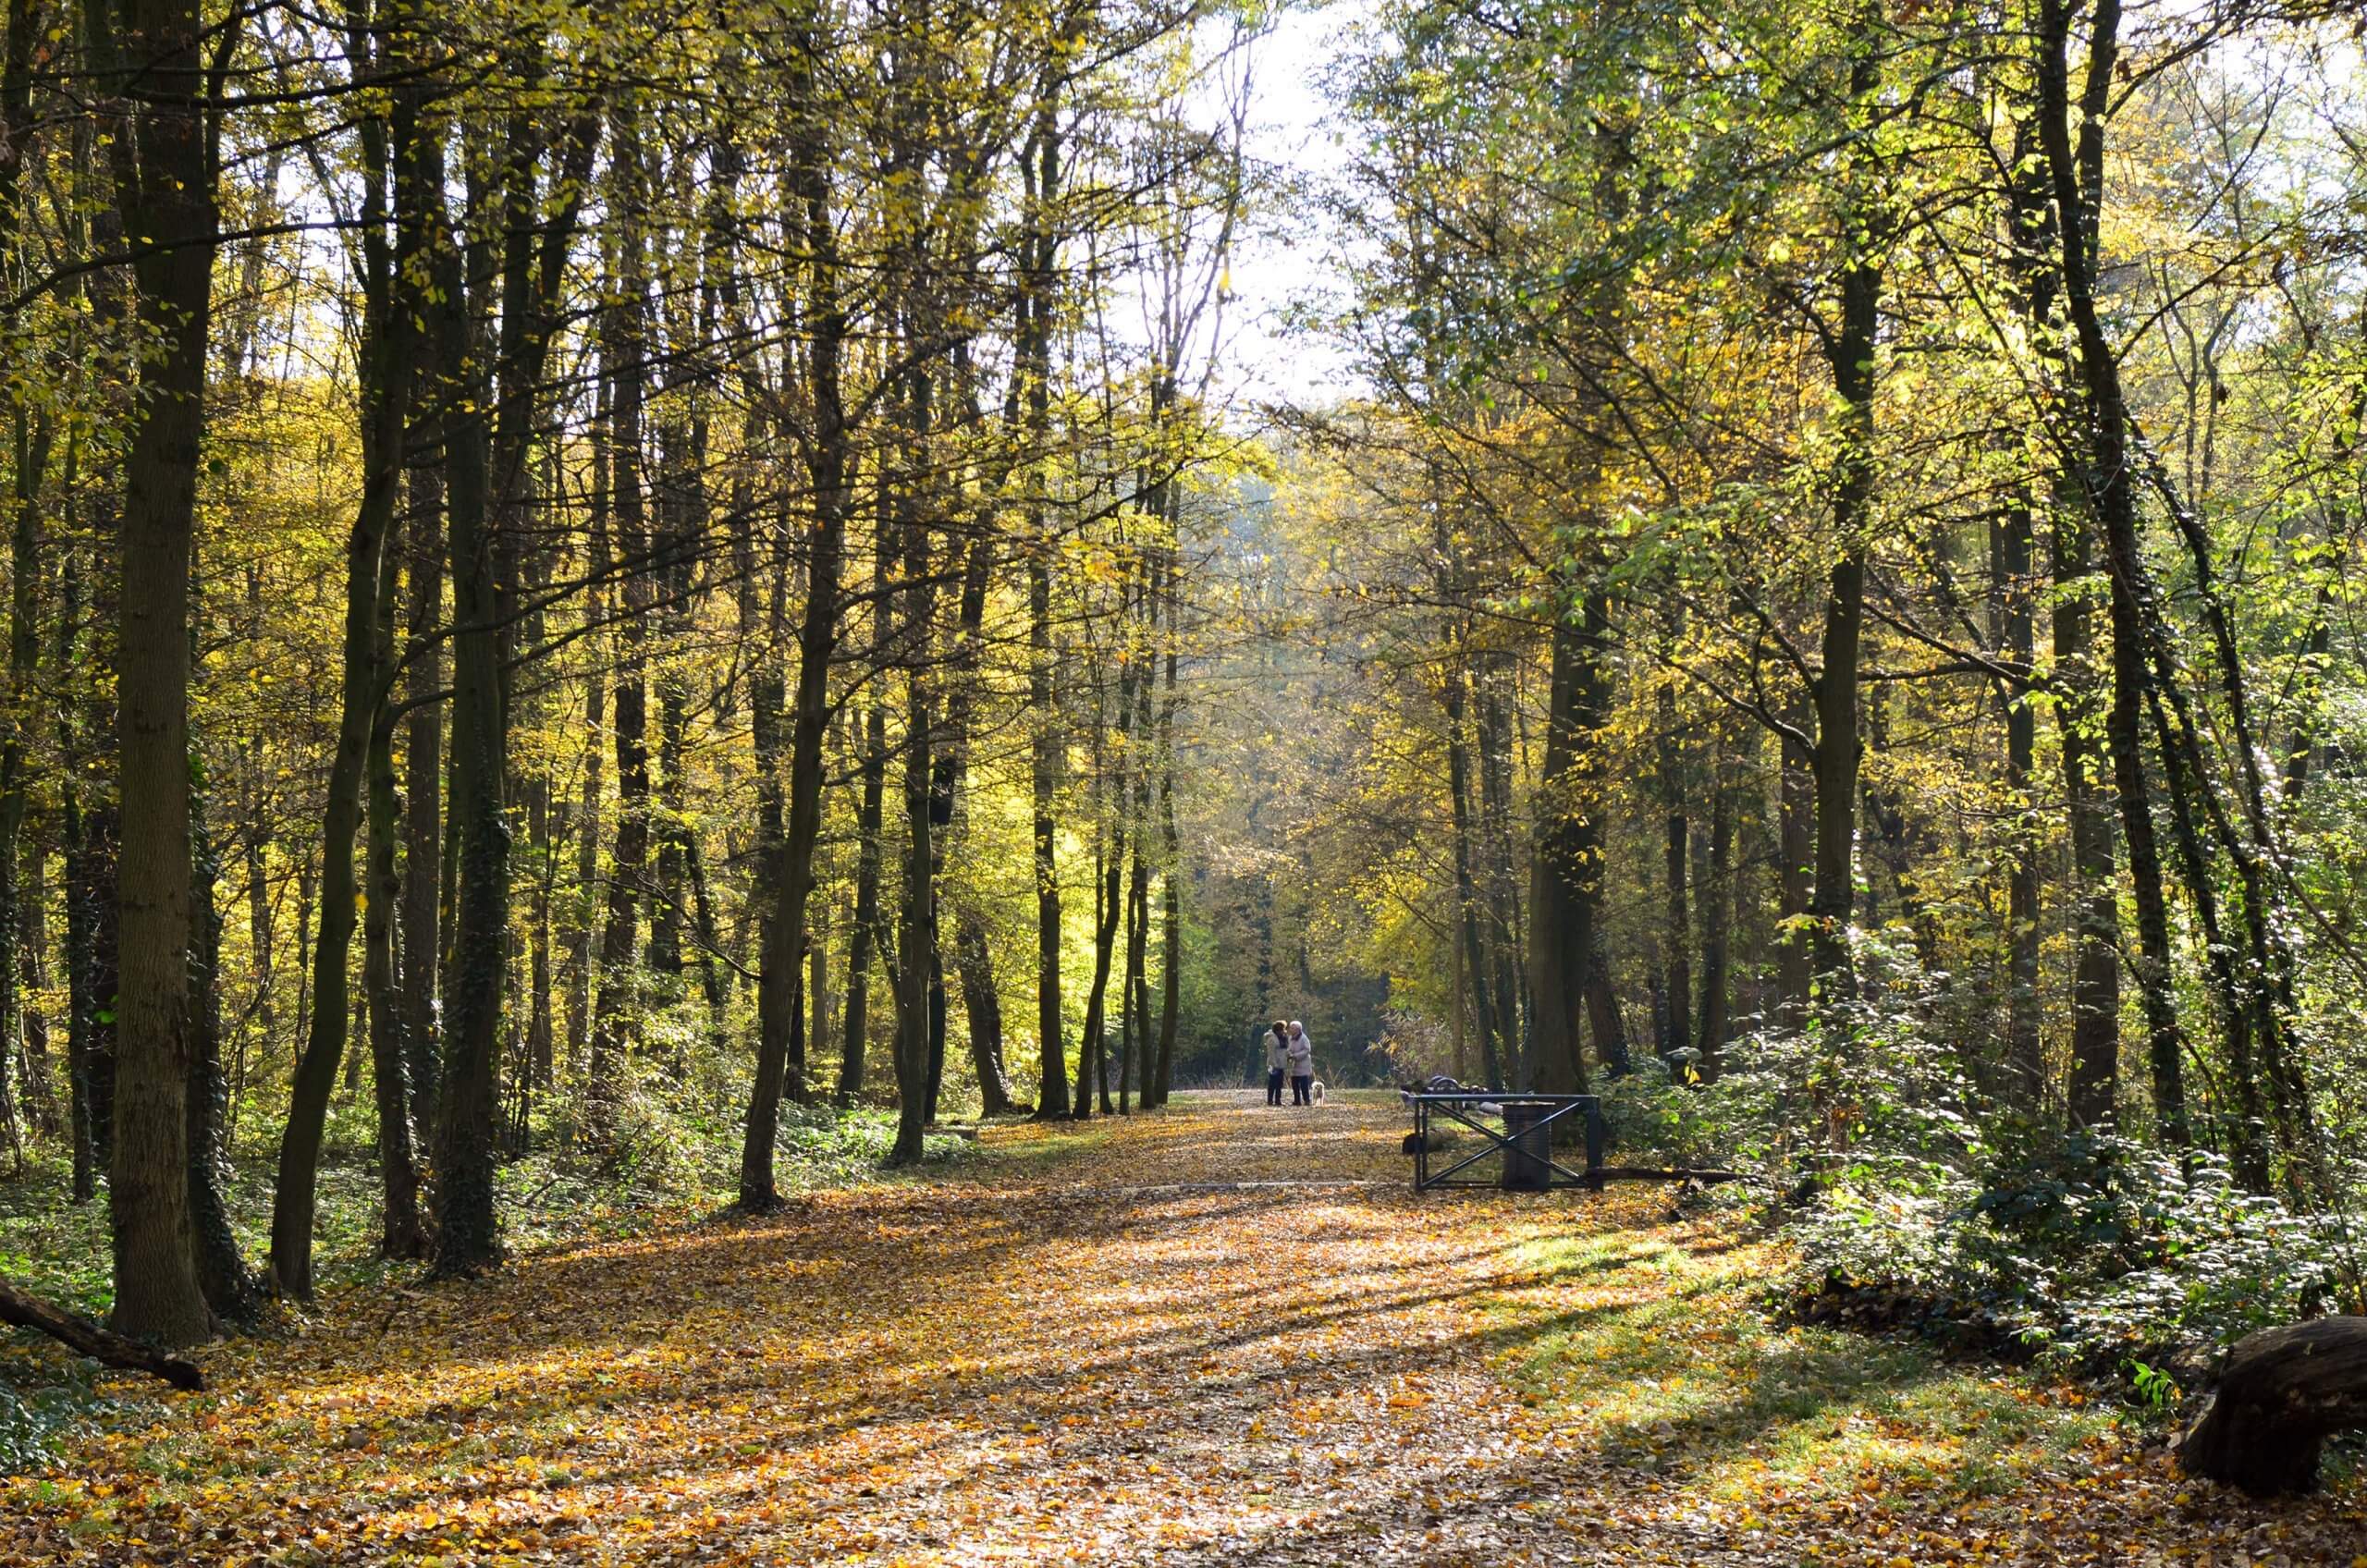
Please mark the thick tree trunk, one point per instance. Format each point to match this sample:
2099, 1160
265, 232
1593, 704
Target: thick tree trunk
476, 839
157, 1292
1565, 983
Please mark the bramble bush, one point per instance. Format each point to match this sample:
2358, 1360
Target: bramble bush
2089, 1251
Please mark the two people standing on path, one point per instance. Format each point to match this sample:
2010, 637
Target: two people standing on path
1288, 1053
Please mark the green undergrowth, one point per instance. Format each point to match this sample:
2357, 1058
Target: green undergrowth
1659, 1344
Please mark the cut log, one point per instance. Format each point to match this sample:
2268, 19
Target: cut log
83, 1335
2284, 1392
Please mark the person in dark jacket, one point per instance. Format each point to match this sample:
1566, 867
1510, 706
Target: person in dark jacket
1277, 1059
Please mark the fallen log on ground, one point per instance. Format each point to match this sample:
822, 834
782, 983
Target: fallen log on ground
100, 1344
2284, 1392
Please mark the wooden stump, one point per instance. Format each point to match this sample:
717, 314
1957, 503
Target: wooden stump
2284, 1392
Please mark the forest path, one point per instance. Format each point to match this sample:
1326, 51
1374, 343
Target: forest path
1120, 1355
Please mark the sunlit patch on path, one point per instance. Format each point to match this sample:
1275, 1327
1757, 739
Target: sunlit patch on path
1223, 1334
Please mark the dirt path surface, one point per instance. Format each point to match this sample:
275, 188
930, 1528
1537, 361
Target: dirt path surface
1145, 1351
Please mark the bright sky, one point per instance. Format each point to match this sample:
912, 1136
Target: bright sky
1287, 257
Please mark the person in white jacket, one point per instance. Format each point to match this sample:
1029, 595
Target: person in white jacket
1301, 1056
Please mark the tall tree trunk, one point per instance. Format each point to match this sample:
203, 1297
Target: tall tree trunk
2096, 899
1794, 862
1499, 879
402, 1231
424, 774
1048, 741
817, 639
1134, 1000
32, 956
1471, 945
1046, 746
2013, 635
863, 935
914, 935
31, 458
402, 1234
1171, 964
231, 1287
171, 199
34, 430
583, 978
974, 965
625, 355
919, 980
486, 506
388, 334
761, 602
262, 938
1677, 959
468, 1238
1092, 1079
1717, 923
88, 613
2111, 497
1838, 749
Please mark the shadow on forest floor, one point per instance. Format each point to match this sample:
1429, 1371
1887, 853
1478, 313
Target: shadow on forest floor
1093, 1343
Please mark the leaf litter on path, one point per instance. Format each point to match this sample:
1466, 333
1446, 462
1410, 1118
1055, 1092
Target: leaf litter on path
1219, 1335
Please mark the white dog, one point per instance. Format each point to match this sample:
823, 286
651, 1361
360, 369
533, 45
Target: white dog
1318, 1091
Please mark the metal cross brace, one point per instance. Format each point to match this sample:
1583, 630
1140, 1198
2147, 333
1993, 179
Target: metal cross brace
1453, 1106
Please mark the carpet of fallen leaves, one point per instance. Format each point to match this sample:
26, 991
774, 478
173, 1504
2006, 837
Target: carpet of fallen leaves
1223, 1334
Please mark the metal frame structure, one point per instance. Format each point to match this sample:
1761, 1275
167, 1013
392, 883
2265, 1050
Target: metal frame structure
1457, 1107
